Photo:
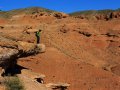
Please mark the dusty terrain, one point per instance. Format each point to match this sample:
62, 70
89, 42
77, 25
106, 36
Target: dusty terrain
61, 68
84, 53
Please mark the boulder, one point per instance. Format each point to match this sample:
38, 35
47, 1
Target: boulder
8, 57
60, 15
115, 15
41, 47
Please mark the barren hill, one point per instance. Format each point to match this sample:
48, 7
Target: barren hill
82, 52
97, 14
31, 10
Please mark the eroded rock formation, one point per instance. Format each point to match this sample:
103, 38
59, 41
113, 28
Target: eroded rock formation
10, 51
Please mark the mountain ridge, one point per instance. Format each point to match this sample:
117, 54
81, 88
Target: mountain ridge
29, 10
87, 12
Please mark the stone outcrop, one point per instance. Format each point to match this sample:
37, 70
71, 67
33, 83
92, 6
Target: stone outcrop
115, 15
108, 16
60, 15
7, 56
10, 51
61, 86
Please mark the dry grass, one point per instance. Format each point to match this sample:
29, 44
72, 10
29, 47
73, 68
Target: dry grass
13, 83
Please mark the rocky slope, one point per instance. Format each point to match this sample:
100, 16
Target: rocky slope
80, 51
97, 15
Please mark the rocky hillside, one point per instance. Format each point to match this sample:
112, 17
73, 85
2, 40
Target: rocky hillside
83, 52
99, 15
31, 10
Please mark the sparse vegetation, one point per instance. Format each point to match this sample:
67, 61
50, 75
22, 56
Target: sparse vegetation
93, 12
13, 83
30, 10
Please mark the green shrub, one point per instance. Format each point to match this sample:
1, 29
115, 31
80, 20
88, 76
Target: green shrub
13, 83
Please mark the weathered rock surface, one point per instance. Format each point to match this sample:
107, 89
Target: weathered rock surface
10, 51
107, 16
60, 86
8, 57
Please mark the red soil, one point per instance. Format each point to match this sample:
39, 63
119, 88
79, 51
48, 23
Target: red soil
60, 68
77, 49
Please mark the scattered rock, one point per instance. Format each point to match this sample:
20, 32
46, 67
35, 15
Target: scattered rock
63, 30
55, 86
1, 27
60, 15
87, 34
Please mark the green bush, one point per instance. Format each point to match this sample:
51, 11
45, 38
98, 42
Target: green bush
13, 83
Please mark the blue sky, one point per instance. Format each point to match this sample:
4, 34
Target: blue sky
66, 6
